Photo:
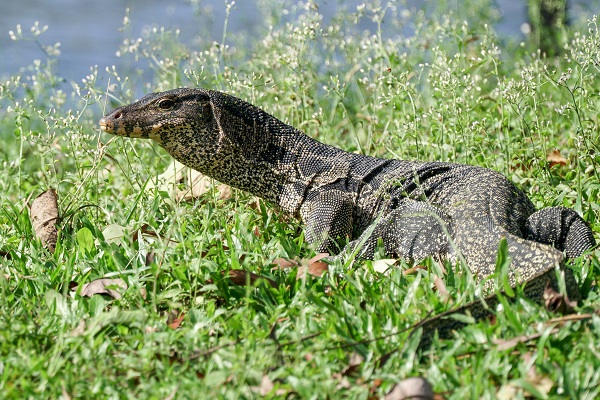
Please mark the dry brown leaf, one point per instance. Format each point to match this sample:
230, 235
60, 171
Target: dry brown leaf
65, 394
554, 158
441, 287
411, 388
266, 386
195, 183
44, 215
177, 322
315, 267
318, 257
241, 277
507, 392
104, 286
198, 184
284, 263
318, 268
413, 270
541, 382
511, 343
557, 302
171, 395
79, 329
354, 362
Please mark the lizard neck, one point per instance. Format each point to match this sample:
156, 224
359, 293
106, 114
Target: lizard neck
258, 153
276, 162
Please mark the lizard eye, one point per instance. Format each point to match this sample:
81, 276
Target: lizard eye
166, 104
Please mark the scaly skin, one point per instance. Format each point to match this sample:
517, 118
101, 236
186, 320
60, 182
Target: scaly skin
349, 201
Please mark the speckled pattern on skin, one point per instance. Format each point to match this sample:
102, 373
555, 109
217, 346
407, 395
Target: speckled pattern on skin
418, 209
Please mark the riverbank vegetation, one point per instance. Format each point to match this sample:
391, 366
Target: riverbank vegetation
182, 321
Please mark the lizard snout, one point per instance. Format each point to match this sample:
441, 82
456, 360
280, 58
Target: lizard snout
108, 122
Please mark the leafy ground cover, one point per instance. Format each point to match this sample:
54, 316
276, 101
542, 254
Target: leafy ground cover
447, 88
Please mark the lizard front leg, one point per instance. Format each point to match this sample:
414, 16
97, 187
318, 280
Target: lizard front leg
327, 216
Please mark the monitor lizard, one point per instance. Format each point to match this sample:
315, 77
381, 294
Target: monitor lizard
350, 203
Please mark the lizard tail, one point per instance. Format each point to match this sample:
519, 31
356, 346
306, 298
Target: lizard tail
562, 228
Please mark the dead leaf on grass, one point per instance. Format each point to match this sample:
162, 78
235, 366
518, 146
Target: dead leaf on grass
413, 270
242, 277
441, 288
540, 381
384, 265
79, 329
171, 395
411, 388
554, 158
266, 386
315, 267
557, 302
44, 215
506, 344
195, 184
354, 362
110, 287
176, 322
284, 263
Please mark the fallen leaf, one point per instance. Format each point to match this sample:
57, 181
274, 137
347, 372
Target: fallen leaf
284, 263
441, 287
554, 158
79, 329
541, 382
266, 386
317, 258
44, 215
354, 362
384, 265
413, 270
195, 184
104, 286
506, 344
411, 388
557, 302
177, 322
150, 258
318, 268
171, 395
241, 277
65, 394
507, 392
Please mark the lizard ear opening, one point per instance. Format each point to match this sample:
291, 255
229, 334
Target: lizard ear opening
214, 112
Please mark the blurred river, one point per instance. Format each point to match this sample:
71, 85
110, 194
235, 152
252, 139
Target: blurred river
89, 30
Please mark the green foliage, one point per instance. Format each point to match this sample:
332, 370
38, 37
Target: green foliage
433, 86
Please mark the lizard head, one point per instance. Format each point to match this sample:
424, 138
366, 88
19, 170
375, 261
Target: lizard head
159, 113
183, 121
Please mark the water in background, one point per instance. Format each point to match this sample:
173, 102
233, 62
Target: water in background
89, 30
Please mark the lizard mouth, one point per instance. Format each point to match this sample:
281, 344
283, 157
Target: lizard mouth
106, 125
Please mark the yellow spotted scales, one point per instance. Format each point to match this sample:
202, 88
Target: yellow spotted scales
348, 202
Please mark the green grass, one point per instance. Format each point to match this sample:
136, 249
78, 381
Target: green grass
452, 91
